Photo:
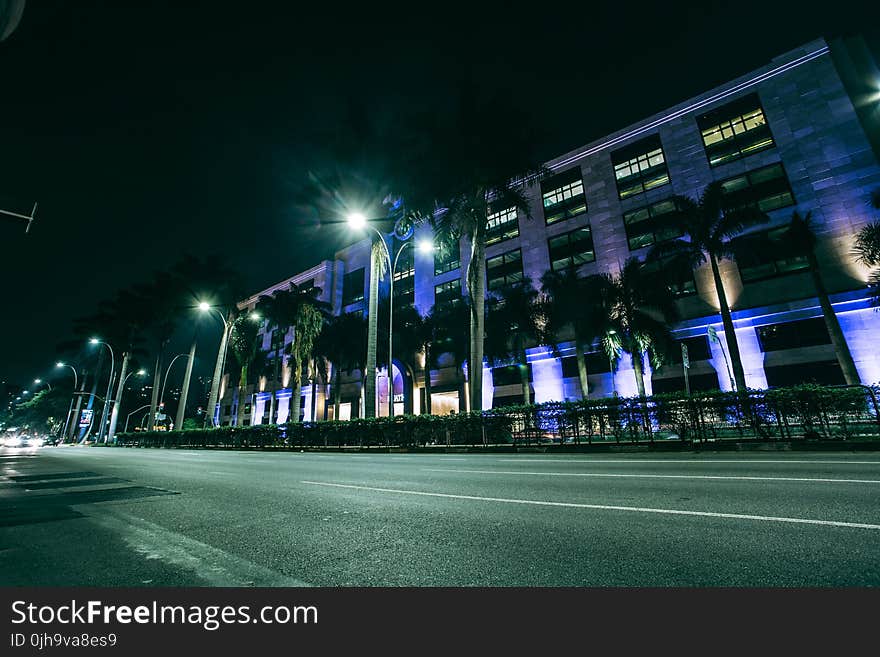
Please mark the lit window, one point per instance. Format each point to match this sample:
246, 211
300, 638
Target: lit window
640, 167
571, 249
766, 188
563, 196
447, 293
504, 269
502, 225
446, 258
735, 130
651, 224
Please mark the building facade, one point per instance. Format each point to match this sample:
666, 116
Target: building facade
795, 134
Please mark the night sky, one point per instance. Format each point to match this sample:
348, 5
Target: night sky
149, 130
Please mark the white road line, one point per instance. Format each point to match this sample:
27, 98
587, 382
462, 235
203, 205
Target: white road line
691, 461
604, 507
655, 476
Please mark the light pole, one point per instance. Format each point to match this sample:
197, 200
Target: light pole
128, 417
109, 387
40, 381
69, 408
358, 222
213, 400
165, 378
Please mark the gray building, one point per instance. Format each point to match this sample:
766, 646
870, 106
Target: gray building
800, 133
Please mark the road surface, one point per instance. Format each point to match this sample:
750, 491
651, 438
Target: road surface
149, 517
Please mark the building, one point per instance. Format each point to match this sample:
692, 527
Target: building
799, 133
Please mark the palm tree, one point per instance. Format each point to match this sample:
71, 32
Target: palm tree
244, 343
576, 307
342, 342
867, 249
281, 310
709, 226
639, 307
480, 154
801, 239
513, 323
306, 328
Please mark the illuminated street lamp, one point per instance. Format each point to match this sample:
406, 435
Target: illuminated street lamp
40, 381
109, 386
358, 221
58, 365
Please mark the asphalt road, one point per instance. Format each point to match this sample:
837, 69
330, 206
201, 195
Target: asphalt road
133, 517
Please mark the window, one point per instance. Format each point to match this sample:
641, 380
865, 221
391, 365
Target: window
404, 273
447, 293
596, 362
640, 167
792, 335
353, 287
502, 225
504, 269
571, 249
563, 196
446, 259
826, 372
698, 349
735, 130
767, 254
509, 375
651, 224
679, 278
766, 188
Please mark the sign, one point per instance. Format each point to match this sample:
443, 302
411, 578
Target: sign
713, 334
86, 418
685, 360
398, 398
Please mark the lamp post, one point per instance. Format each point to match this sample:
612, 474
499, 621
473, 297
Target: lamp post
70, 407
213, 400
40, 381
109, 386
165, 378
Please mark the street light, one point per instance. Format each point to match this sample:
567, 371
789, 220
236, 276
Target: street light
358, 221
220, 363
39, 381
116, 410
61, 364
165, 379
109, 386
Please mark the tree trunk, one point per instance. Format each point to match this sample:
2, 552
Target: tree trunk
154, 398
841, 348
477, 291
730, 336
114, 413
372, 333
314, 390
583, 379
524, 380
296, 388
274, 387
639, 372
242, 386
337, 391
184, 391
427, 380
213, 398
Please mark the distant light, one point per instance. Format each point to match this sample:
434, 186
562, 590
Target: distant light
94, 341
204, 306
141, 372
425, 246
25, 392
38, 381
256, 317
356, 220
59, 364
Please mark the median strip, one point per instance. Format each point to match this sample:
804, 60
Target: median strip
601, 507
656, 476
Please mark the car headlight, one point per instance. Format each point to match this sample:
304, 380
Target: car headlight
35, 442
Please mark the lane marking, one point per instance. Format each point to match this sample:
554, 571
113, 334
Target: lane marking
693, 461
604, 507
656, 476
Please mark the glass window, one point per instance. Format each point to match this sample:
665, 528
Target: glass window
502, 225
651, 224
697, 346
766, 255
353, 287
640, 167
679, 280
571, 249
735, 130
447, 293
766, 188
504, 269
792, 335
563, 196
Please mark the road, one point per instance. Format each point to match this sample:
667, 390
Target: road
135, 517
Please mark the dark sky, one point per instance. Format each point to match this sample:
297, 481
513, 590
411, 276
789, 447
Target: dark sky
147, 130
